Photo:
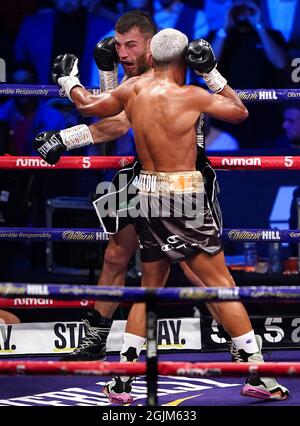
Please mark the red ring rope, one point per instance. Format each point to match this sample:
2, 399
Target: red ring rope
226, 163
188, 369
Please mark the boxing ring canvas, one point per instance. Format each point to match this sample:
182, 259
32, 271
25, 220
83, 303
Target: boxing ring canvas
172, 391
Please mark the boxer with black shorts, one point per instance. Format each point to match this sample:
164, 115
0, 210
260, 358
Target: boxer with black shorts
130, 47
175, 218
163, 113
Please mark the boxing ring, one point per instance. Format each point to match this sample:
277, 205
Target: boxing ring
163, 377
151, 368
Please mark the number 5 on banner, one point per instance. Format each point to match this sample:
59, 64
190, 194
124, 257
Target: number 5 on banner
288, 161
86, 162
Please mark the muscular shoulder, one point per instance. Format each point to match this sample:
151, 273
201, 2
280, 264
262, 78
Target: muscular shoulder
130, 86
126, 87
194, 92
139, 82
129, 82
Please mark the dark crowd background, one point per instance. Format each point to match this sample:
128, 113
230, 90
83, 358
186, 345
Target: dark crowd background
34, 32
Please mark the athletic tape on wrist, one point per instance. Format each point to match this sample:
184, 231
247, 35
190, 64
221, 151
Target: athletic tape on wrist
108, 79
67, 84
76, 137
215, 81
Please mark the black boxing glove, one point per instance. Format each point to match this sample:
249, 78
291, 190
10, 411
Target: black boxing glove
65, 72
107, 60
105, 54
200, 57
51, 145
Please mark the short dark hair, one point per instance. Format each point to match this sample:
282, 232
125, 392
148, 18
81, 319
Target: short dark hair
135, 18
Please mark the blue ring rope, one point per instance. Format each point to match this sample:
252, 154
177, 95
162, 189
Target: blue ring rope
52, 91
133, 294
93, 234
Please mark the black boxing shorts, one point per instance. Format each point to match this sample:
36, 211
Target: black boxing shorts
175, 219
211, 186
116, 208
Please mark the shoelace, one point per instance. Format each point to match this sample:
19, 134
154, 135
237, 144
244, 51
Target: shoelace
235, 354
91, 334
256, 357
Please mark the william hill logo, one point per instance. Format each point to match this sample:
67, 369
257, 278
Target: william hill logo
240, 234
271, 235
267, 95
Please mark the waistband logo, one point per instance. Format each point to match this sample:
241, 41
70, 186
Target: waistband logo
146, 183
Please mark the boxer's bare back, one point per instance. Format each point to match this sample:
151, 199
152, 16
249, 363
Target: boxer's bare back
163, 113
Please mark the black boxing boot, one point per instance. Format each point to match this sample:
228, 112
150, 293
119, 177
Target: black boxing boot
93, 345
